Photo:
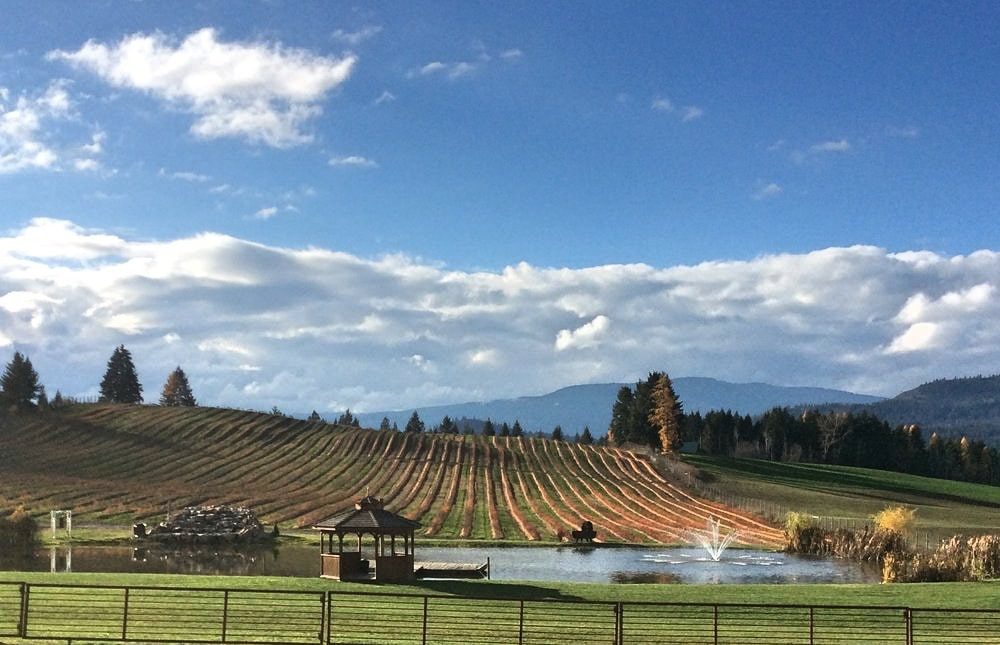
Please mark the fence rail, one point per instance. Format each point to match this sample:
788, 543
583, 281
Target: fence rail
148, 614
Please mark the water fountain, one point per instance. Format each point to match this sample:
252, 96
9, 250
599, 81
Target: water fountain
712, 540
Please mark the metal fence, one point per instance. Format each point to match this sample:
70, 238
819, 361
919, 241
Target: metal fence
62, 612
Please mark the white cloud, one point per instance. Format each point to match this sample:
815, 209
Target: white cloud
266, 213
23, 127
512, 54
769, 190
258, 91
662, 104
691, 112
451, 70
86, 164
840, 145
262, 325
185, 175
355, 38
587, 335
385, 97
354, 161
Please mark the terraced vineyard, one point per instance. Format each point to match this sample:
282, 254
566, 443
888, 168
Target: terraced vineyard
116, 463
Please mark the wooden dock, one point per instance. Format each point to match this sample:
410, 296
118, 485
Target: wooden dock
464, 570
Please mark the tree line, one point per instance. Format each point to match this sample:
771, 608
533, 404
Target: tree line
21, 389
650, 414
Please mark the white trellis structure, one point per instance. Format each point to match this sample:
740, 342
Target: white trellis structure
66, 522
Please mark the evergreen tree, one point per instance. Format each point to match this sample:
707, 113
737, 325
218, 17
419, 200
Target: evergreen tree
121, 383
557, 433
666, 413
57, 400
43, 398
621, 416
348, 419
385, 425
314, 417
586, 438
516, 430
414, 424
488, 429
177, 390
448, 426
504, 429
467, 429
19, 384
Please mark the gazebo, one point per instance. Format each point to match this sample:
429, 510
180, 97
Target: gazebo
368, 517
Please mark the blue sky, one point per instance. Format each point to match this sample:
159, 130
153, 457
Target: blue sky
485, 142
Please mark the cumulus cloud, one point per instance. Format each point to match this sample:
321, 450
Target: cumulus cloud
587, 335
23, 125
256, 325
258, 91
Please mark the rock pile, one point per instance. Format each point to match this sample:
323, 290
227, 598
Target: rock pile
206, 524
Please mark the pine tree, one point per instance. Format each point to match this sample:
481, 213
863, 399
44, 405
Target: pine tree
314, 417
448, 426
557, 433
516, 430
621, 413
414, 424
504, 429
19, 384
385, 425
586, 438
348, 419
488, 429
177, 390
121, 383
665, 414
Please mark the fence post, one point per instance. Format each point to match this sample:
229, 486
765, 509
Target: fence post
424, 638
125, 617
225, 613
520, 625
620, 623
715, 624
22, 623
811, 625
324, 617
908, 622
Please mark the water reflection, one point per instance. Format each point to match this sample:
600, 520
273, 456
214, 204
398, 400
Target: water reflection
568, 563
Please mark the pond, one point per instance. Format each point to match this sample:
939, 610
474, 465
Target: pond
570, 564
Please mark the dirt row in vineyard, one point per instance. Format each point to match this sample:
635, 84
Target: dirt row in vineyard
111, 462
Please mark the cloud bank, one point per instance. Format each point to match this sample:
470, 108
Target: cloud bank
256, 325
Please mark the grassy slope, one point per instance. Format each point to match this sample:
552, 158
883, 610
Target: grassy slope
840, 491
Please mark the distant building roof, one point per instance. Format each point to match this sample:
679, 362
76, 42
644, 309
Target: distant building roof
367, 515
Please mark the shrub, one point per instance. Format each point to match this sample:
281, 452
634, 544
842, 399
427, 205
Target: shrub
18, 529
897, 519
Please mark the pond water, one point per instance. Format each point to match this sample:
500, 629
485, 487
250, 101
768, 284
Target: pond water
571, 564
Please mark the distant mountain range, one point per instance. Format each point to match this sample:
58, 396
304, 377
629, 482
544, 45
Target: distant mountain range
590, 405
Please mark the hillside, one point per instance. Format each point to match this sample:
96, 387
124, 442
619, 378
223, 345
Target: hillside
944, 507
590, 405
951, 407
119, 463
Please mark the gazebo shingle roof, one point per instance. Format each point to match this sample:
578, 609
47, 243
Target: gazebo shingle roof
367, 515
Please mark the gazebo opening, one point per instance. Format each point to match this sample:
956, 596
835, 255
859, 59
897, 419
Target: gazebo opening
391, 552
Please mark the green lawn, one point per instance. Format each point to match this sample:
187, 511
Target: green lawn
295, 610
943, 507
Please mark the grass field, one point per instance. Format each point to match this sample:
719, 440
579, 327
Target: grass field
943, 507
257, 609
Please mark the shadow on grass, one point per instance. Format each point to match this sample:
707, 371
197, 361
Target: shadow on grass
492, 590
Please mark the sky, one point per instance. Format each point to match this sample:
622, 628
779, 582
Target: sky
384, 205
